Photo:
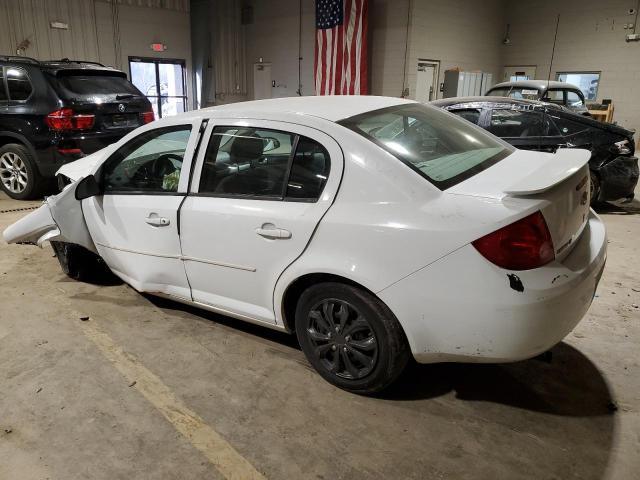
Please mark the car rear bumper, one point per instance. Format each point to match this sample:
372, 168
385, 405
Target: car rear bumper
618, 178
462, 308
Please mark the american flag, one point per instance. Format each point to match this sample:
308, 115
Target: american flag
341, 47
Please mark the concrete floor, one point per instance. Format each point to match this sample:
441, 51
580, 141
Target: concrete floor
70, 409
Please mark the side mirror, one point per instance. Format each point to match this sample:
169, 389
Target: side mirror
87, 187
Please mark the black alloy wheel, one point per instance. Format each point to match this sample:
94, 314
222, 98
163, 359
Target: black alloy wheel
350, 337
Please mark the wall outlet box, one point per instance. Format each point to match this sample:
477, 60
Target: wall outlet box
633, 37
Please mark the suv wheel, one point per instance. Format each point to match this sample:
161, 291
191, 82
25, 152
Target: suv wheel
350, 337
18, 175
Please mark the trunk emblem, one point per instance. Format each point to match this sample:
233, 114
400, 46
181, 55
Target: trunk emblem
121, 107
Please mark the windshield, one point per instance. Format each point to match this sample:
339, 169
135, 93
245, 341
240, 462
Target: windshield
440, 146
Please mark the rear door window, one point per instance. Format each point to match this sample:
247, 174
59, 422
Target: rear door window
554, 96
510, 123
18, 83
246, 161
574, 100
568, 127
470, 114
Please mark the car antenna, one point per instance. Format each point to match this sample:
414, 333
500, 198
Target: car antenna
553, 51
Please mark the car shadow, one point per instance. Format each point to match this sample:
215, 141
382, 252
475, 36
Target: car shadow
618, 208
556, 408
568, 385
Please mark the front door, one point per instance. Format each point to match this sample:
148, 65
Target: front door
134, 224
259, 191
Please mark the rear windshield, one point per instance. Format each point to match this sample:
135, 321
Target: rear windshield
83, 84
441, 147
521, 93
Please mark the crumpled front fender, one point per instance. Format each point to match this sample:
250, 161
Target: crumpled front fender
60, 218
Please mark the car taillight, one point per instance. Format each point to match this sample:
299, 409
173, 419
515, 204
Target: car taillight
67, 119
523, 245
147, 117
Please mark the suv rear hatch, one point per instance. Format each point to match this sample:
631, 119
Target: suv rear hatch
116, 103
558, 184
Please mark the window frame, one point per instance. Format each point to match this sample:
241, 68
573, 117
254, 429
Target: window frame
11, 101
183, 171
582, 72
199, 164
157, 99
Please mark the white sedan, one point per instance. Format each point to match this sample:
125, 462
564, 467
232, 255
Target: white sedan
375, 228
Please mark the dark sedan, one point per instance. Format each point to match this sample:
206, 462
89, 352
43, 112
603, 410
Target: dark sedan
534, 125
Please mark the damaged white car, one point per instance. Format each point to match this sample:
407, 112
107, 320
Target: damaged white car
375, 228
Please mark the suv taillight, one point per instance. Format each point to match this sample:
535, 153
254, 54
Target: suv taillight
523, 245
147, 117
67, 119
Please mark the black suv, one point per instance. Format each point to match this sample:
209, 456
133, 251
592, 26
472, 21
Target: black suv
54, 112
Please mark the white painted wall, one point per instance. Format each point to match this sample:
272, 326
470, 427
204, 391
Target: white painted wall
274, 37
591, 37
459, 33
96, 32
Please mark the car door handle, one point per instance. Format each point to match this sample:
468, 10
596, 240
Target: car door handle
279, 233
157, 221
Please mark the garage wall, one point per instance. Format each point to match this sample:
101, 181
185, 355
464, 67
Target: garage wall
274, 37
591, 37
99, 30
458, 33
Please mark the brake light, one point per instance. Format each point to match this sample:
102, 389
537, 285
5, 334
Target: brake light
67, 119
523, 245
147, 117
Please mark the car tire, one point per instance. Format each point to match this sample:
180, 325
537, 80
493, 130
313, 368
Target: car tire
79, 263
18, 164
350, 337
594, 188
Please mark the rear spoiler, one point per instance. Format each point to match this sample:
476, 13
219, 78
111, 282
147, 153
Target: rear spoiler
565, 163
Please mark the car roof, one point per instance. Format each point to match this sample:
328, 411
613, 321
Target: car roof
472, 102
536, 84
329, 107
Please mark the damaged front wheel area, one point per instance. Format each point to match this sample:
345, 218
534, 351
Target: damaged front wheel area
81, 264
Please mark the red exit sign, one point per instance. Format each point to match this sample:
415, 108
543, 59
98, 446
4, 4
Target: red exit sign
158, 47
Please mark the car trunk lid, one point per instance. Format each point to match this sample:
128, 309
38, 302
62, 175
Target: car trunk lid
557, 184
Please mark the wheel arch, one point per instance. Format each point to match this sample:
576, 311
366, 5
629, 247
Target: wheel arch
12, 137
298, 285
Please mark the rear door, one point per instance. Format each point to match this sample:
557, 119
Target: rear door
259, 190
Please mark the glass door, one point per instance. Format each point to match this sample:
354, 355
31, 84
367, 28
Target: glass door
162, 81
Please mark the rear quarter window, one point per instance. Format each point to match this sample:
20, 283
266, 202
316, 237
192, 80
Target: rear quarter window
18, 84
